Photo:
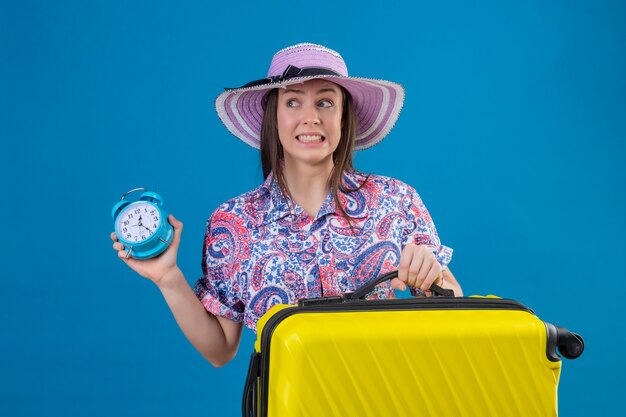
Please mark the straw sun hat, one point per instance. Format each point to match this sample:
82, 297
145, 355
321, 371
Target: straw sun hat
377, 103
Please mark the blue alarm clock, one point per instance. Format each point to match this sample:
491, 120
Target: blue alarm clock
142, 226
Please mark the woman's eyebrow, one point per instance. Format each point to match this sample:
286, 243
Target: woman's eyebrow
326, 90
293, 90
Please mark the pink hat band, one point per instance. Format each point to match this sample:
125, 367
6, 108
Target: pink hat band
290, 72
377, 103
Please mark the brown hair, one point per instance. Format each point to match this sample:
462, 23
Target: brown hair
272, 150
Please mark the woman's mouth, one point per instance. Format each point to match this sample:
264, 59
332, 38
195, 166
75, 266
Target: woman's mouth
310, 138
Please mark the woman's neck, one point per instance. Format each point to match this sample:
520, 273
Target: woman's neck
308, 185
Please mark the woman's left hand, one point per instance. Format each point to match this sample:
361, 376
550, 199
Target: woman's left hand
418, 268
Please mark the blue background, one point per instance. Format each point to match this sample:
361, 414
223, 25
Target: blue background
513, 132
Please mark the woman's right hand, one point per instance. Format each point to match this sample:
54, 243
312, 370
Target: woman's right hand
155, 268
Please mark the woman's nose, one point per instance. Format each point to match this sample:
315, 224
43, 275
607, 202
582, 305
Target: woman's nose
311, 115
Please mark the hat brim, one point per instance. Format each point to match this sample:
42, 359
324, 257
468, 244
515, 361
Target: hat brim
377, 105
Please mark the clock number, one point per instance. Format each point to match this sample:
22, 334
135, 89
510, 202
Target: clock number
155, 226
128, 235
125, 230
130, 215
156, 219
151, 211
126, 223
137, 211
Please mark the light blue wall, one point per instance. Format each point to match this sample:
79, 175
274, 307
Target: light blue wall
513, 132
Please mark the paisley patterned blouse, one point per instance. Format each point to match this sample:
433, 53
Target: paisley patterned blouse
260, 250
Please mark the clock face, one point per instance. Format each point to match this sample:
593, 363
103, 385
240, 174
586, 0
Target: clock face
138, 222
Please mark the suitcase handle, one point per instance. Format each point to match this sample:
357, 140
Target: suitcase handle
369, 287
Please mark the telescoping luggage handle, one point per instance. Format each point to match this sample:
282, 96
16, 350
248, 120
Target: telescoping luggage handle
369, 287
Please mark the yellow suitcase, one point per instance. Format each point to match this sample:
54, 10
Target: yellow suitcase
436, 356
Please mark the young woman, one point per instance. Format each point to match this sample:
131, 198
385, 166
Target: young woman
316, 226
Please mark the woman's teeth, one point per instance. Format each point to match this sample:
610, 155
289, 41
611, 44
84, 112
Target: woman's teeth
310, 138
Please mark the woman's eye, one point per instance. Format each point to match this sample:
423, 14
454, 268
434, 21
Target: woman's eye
292, 103
325, 103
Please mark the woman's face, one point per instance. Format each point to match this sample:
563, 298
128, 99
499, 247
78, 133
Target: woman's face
309, 121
